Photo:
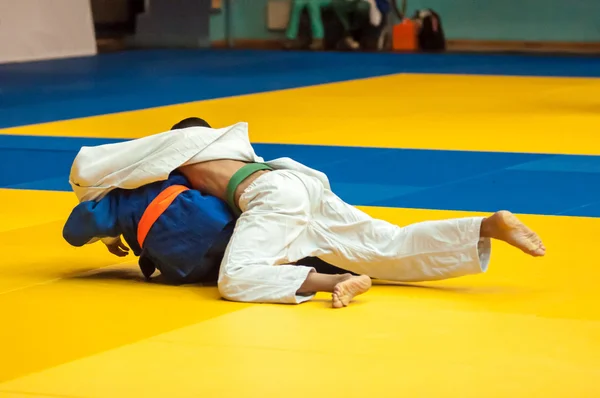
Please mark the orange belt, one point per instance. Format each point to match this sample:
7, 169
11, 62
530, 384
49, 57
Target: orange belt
155, 209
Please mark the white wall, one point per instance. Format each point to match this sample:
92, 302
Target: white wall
32, 30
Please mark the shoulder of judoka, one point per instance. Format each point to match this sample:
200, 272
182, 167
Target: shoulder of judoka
122, 196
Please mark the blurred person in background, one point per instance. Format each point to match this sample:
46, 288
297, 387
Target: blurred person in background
314, 12
356, 15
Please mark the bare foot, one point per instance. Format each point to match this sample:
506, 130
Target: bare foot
348, 288
505, 226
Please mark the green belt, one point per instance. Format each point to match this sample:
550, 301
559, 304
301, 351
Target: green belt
237, 179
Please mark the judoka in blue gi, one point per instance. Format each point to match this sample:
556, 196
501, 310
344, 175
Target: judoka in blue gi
186, 243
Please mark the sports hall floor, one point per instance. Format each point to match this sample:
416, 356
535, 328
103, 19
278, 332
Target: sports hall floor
405, 137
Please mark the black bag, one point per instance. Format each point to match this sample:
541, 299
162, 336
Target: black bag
431, 33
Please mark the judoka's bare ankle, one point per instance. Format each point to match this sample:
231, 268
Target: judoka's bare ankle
344, 277
316, 282
488, 228
491, 226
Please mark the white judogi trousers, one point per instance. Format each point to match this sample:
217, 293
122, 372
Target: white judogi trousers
288, 216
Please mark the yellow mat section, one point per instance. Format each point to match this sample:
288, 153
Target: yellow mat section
60, 303
485, 113
355, 353
82, 323
79, 322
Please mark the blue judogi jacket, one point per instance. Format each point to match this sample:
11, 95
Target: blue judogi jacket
186, 243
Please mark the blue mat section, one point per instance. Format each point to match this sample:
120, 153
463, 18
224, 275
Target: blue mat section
64, 89
453, 180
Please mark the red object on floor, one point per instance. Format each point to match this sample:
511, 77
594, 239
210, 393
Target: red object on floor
404, 36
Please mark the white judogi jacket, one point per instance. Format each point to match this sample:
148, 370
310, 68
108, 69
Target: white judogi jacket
132, 164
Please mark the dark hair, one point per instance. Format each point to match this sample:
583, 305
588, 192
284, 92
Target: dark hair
190, 122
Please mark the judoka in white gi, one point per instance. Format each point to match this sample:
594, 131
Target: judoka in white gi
288, 212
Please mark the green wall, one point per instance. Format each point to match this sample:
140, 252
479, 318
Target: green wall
535, 20
249, 21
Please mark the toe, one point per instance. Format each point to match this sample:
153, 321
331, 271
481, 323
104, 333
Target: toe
335, 301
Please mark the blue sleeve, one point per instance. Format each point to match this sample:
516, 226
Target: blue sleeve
90, 220
146, 266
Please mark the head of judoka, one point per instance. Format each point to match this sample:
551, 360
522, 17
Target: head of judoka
190, 122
